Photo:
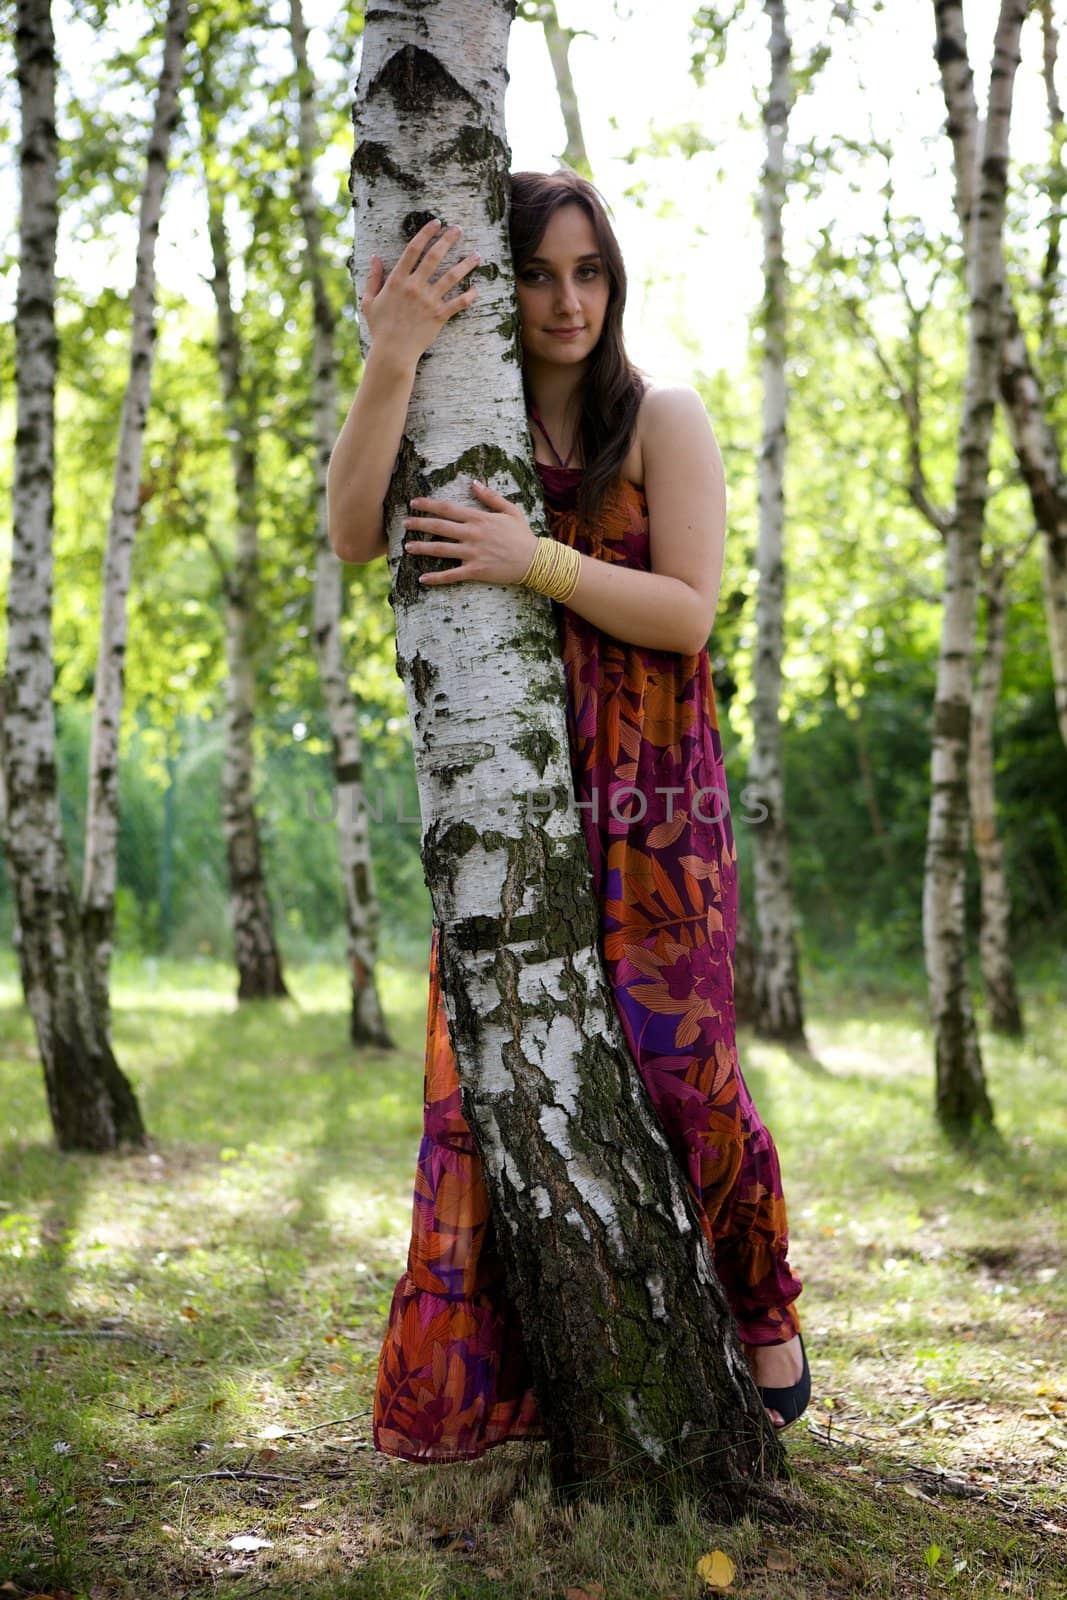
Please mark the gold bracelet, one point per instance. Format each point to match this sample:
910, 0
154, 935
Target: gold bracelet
554, 570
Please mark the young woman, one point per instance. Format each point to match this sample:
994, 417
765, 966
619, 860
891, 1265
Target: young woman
634, 490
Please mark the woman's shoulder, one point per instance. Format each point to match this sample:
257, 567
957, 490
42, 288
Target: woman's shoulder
668, 412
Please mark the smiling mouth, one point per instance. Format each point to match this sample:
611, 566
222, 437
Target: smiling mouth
577, 329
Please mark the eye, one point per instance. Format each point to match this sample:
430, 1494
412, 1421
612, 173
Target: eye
594, 272
531, 274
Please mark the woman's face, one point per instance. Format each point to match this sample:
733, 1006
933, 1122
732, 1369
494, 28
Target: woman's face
563, 291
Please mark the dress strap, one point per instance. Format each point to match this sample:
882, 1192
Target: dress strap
535, 416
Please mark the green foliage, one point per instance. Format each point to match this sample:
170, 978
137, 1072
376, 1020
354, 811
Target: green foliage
871, 313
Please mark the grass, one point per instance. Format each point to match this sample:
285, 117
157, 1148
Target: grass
188, 1336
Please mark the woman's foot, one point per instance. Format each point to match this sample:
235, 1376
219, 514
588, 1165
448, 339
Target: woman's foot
781, 1374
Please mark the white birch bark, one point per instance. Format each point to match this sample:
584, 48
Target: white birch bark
1033, 436
259, 967
998, 968
629, 1337
962, 1098
102, 823
779, 1008
92, 1105
367, 1024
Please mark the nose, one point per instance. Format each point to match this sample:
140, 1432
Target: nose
567, 301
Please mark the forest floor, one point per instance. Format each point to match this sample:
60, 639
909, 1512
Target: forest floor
188, 1336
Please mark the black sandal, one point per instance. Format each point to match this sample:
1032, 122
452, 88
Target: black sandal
792, 1402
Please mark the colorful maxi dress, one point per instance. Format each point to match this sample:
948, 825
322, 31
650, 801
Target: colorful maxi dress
647, 765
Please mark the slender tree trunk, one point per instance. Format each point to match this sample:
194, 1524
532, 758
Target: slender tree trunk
91, 1103
634, 1355
366, 1022
962, 1098
1032, 435
780, 1010
745, 969
259, 966
102, 824
998, 970
559, 41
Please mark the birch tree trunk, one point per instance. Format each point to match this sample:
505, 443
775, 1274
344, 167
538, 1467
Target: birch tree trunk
998, 970
631, 1342
780, 1013
366, 1022
962, 1098
559, 41
91, 1103
1032, 435
102, 823
259, 967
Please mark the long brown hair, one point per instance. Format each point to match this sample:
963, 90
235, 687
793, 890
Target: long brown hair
612, 387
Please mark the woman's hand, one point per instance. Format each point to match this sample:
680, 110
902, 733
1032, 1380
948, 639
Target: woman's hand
407, 310
492, 541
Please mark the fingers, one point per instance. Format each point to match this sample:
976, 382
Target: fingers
411, 252
437, 251
375, 279
454, 275
491, 496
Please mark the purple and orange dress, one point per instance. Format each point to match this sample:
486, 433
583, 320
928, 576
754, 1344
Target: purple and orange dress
647, 764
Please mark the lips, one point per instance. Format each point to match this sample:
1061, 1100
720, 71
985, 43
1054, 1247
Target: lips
564, 333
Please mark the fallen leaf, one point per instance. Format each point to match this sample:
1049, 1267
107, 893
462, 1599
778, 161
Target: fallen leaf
190, 1313
249, 1541
716, 1569
779, 1560
586, 1591
310, 1505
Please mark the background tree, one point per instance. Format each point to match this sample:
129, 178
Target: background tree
102, 824
962, 1099
367, 1024
259, 967
92, 1104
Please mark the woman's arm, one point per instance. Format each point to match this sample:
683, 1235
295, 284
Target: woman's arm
672, 607
405, 312
362, 461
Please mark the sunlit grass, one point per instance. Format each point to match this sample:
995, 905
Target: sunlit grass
217, 1302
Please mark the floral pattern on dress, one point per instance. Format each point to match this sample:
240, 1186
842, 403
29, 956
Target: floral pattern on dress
646, 762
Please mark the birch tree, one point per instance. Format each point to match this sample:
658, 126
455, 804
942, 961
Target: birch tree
366, 1022
559, 41
962, 1098
998, 967
779, 1010
91, 1103
630, 1339
259, 965
102, 822
905, 379
1034, 439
